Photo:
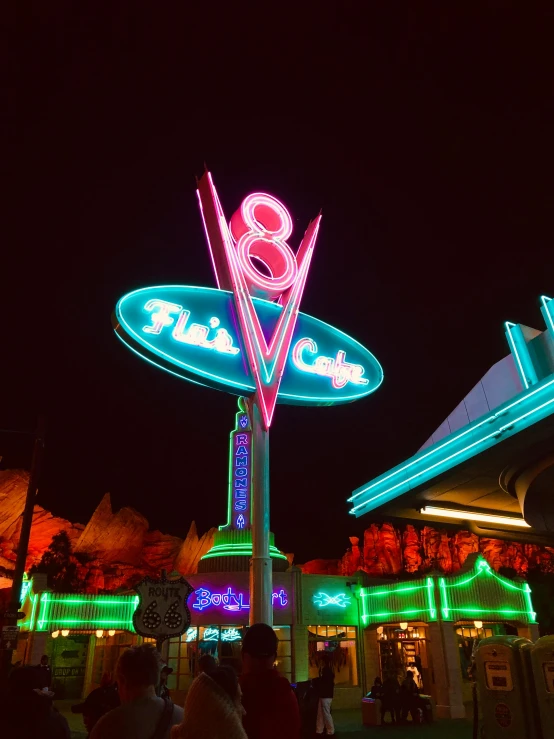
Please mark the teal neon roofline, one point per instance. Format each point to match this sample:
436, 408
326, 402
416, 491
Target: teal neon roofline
507, 420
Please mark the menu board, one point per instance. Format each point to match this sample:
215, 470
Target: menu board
499, 675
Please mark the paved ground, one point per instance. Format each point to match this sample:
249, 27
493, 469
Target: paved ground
348, 724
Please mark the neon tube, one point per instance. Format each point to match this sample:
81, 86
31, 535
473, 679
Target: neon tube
473, 516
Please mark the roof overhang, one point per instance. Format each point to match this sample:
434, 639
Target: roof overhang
463, 470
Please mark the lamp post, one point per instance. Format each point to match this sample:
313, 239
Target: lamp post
10, 618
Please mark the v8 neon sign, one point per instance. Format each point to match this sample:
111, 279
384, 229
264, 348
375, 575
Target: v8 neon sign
257, 235
248, 336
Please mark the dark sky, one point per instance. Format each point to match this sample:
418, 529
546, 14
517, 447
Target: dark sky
425, 135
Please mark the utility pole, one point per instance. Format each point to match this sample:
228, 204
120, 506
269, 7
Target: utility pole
11, 618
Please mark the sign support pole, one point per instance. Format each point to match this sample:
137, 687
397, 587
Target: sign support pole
261, 574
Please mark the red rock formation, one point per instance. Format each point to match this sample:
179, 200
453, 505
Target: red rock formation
119, 549
193, 549
388, 551
412, 549
113, 536
321, 567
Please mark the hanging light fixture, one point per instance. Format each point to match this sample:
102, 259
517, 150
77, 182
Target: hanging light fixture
403, 625
55, 634
99, 633
111, 632
478, 624
380, 630
65, 632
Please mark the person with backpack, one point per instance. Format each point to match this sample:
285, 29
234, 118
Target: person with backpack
142, 714
213, 707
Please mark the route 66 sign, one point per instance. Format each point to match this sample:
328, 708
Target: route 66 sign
162, 611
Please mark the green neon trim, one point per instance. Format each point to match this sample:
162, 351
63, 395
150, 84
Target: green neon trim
43, 600
423, 475
449, 609
399, 590
79, 612
430, 597
95, 602
238, 550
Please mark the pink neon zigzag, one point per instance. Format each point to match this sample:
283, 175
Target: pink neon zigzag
256, 345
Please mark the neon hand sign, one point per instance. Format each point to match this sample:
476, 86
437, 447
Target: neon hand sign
323, 600
248, 336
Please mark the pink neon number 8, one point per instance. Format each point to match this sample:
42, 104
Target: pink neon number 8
260, 228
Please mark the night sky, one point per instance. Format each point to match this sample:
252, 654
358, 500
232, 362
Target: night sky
424, 133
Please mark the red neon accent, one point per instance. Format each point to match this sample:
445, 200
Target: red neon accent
260, 227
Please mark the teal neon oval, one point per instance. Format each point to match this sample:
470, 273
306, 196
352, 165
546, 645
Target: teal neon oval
202, 355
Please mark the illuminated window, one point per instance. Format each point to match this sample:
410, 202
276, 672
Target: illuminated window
334, 645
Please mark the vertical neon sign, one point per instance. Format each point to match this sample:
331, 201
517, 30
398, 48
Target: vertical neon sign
240, 472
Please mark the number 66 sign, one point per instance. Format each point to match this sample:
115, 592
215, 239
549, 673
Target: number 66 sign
248, 335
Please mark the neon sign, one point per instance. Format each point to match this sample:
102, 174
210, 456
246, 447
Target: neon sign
211, 634
147, 321
323, 600
231, 635
232, 601
248, 336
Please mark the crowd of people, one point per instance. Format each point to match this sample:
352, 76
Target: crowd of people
400, 700
260, 704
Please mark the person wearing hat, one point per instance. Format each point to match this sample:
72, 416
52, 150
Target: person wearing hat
98, 702
28, 711
271, 707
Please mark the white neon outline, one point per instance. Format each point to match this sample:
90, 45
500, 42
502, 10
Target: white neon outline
508, 326
272, 285
468, 430
243, 387
311, 345
496, 433
474, 516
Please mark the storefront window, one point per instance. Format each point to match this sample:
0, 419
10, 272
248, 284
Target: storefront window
224, 643
336, 646
283, 662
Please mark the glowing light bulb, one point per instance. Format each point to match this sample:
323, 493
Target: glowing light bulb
403, 625
99, 633
65, 632
111, 632
55, 634
380, 630
478, 624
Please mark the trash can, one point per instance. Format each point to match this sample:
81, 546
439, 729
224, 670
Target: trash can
371, 712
